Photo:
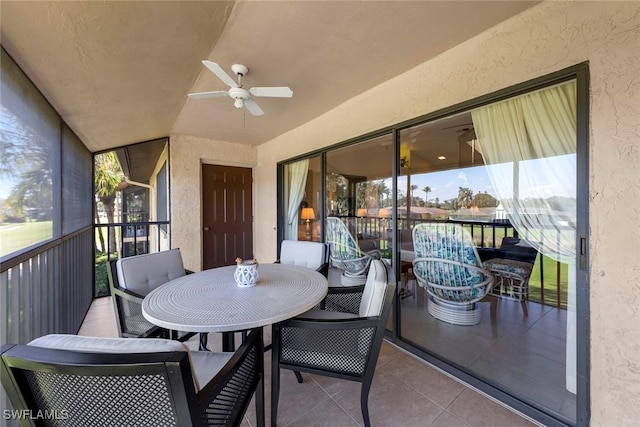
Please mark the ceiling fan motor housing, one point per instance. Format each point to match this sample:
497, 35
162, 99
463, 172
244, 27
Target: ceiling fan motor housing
239, 69
240, 95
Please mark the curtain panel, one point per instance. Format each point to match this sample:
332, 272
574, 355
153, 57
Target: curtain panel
295, 182
529, 146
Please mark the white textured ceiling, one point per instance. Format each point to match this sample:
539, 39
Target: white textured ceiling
119, 72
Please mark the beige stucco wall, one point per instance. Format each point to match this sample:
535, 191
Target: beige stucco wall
187, 154
547, 38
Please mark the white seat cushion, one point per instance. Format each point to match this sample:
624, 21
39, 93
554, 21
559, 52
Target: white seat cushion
374, 290
207, 364
204, 364
302, 253
143, 273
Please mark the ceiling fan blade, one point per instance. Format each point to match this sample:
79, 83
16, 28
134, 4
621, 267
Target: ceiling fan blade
276, 92
253, 108
214, 94
220, 73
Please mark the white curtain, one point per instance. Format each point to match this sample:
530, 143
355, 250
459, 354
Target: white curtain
529, 145
295, 181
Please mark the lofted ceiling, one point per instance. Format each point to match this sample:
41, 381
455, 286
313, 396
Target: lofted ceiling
119, 71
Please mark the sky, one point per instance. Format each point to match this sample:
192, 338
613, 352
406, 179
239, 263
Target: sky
539, 178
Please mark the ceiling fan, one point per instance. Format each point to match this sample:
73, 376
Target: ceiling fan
241, 95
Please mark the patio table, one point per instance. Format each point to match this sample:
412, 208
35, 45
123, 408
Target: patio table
211, 301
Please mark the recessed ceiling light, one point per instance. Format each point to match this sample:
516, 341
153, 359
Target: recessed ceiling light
441, 158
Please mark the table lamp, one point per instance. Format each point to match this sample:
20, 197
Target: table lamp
308, 214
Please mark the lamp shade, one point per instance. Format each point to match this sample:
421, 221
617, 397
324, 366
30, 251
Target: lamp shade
308, 213
383, 213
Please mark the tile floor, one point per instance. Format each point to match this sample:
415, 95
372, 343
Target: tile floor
525, 355
406, 391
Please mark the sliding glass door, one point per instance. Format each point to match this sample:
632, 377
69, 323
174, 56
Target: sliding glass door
508, 174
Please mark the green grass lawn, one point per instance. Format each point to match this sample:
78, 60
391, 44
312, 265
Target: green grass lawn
16, 236
552, 282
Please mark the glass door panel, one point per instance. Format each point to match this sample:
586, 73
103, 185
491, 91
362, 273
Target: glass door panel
514, 193
359, 194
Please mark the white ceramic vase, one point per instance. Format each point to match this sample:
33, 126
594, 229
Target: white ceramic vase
246, 273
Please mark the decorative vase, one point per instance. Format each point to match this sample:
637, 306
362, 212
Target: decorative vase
246, 273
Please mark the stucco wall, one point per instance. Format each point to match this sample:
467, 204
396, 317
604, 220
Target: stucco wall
187, 153
547, 38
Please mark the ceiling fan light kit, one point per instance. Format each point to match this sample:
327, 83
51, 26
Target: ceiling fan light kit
241, 96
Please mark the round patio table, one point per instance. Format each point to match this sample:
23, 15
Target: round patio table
211, 301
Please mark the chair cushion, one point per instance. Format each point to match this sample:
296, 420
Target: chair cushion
302, 253
207, 364
374, 290
499, 265
143, 273
200, 365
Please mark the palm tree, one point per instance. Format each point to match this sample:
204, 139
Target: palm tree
426, 190
465, 197
413, 187
108, 177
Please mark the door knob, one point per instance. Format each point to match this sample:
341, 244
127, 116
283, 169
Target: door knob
206, 229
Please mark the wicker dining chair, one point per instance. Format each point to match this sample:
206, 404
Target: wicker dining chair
87, 381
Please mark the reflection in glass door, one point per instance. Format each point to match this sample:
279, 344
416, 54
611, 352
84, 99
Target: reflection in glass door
505, 174
302, 200
359, 200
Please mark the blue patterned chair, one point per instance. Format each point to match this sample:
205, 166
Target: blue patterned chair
346, 254
448, 267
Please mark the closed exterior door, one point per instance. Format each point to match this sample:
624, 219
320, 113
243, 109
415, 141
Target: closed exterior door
227, 215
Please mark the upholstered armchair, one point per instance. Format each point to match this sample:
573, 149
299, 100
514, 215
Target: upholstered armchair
448, 267
131, 279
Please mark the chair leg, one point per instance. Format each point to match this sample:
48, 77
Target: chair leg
364, 403
298, 376
275, 386
204, 339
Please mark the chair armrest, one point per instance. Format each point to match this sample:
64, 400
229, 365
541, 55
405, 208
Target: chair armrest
127, 294
324, 269
330, 324
375, 254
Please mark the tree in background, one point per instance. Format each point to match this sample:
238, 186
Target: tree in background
413, 188
426, 190
465, 197
485, 200
108, 178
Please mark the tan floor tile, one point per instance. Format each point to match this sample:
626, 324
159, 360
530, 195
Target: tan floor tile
448, 420
478, 411
326, 414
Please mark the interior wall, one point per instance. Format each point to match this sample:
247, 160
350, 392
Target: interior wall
541, 40
187, 154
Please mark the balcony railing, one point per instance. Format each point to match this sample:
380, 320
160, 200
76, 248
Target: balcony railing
548, 283
120, 240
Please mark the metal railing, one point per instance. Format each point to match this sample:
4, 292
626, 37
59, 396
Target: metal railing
120, 240
548, 280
